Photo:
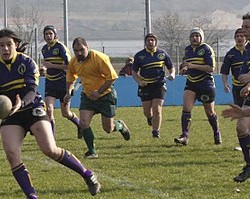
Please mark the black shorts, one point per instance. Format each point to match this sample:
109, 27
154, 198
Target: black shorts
152, 91
26, 118
58, 94
236, 96
204, 96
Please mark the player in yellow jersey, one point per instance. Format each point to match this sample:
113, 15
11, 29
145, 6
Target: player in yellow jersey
97, 76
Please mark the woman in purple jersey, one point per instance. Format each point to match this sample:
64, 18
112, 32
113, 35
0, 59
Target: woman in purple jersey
56, 59
149, 73
28, 114
243, 124
199, 64
233, 62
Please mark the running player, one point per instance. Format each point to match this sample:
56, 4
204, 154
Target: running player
232, 62
199, 64
243, 124
19, 81
98, 95
56, 59
148, 72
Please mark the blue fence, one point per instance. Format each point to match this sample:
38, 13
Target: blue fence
126, 88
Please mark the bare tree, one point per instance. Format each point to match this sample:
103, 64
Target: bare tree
24, 22
173, 32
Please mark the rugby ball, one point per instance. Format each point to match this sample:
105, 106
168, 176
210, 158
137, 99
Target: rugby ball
5, 106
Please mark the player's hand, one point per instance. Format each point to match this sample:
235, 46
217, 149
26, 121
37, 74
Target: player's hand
66, 99
94, 95
244, 78
142, 83
171, 76
245, 91
235, 112
17, 105
47, 64
226, 87
183, 68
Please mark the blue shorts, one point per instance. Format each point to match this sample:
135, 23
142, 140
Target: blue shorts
204, 95
236, 96
26, 118
58, 94
152, 91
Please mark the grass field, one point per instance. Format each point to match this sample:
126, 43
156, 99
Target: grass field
142, 168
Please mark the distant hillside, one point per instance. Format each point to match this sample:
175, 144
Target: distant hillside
96, 18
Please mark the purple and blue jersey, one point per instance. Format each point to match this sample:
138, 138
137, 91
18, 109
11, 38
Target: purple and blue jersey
57, 53
202, 55
245, 68
233, 61
22, 72
151, 65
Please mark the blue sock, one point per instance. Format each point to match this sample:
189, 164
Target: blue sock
245, 145
69, 160
75, 120
185, 123
22, 176
213, 121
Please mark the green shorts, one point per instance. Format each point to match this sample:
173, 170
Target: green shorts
105, 105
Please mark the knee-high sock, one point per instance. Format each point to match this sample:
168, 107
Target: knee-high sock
69, 160
22, 176
245, 145
75, 120
89, 139
213, 121
186, 119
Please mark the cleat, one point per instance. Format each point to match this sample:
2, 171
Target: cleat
32, 196
79, 133
181, 140
89, 155
125, 130
92, 183
245, 174
155, 134
237, 148
149, 120
217, 139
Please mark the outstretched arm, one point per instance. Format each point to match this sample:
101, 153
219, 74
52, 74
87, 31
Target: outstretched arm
236, 112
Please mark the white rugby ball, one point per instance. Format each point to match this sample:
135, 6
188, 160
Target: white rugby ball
5, 106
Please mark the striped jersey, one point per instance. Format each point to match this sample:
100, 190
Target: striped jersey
202, 55
56, 53
15, 76
150, 65
245, 68
233, 62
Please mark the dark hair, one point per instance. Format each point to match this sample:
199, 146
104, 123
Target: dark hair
150, 35
50, 27
9, 33
79, 40
246, 16
239, 30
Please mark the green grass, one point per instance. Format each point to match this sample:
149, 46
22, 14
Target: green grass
142, 167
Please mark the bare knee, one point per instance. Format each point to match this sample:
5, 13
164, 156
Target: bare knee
242, 130
52, 152
107, 129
